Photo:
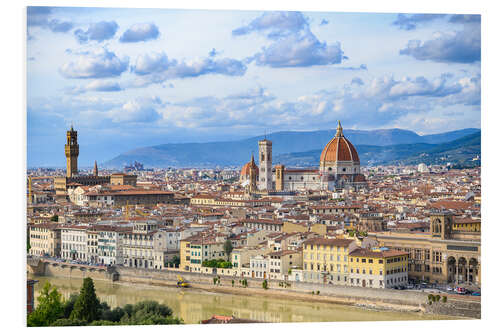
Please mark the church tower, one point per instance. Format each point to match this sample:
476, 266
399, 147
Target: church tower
96, 172
265, 165
71, 150
252, 186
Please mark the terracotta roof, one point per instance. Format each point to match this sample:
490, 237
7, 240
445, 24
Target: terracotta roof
376, 254
329, 241
339, 149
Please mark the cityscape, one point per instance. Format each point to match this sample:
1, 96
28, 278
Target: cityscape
277, 204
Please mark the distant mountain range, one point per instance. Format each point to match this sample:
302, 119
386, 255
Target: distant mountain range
301, 148
461, 152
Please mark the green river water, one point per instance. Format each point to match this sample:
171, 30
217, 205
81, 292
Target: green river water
194, 305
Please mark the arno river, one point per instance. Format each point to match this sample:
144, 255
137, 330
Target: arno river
195, 305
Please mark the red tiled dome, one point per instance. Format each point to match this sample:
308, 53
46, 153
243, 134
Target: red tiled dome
245, 171
339, 149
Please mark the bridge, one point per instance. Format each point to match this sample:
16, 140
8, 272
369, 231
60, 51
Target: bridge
51, 266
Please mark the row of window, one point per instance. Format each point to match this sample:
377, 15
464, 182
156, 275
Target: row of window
318, 257
324, 268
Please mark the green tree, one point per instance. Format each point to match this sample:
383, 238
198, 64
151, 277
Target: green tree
87, 305
228, 248
69, 304
264, 284
49, 309
28, 245
69, 322
114, 315
55, 218
149, 313
176, 261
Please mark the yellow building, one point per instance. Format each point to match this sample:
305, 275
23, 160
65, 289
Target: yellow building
185, 254
202, 200
326, 260
45, 239
377, 268
444, 255
467, 225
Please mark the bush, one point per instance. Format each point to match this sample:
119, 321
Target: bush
445, 299
317, 292
103, 323
264, 284
69, 322
437, 298
232, 283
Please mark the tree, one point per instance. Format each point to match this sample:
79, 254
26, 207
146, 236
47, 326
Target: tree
69, 304
87, 305
264, 284
228, 248
28, 245
149, 313
49, 309
55, 218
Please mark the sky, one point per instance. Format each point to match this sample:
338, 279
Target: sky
128, 78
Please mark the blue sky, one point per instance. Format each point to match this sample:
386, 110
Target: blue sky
128, 78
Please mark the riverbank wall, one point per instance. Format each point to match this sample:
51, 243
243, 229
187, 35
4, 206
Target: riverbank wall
376, 299
44, 267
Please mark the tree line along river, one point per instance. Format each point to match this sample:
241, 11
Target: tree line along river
194, 305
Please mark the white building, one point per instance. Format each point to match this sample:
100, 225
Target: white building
138, 245
259, 266
109, 244
74, 242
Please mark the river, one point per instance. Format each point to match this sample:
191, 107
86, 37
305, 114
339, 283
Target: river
194, 305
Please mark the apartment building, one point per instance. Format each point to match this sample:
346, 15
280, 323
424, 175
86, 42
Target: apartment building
326, 260
280, 262
378, 268
138, 245
74, 242
45, 239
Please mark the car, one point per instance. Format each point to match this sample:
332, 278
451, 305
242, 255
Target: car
460, 290
449, 288
476, 293
411, 286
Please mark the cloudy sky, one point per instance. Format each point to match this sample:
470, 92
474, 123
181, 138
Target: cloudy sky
127, 78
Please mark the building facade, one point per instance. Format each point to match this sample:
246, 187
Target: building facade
74, 243
378, 269
326, 260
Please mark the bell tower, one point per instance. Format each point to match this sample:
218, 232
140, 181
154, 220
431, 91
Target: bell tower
71, 150
441, 225
265, 165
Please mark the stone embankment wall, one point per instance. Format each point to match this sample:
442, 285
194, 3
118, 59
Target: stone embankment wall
461, 308
350, 294
48, 268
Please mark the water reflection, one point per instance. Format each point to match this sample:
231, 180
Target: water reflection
195, 305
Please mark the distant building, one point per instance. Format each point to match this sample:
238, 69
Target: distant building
339, 168
422, 168
73, 179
